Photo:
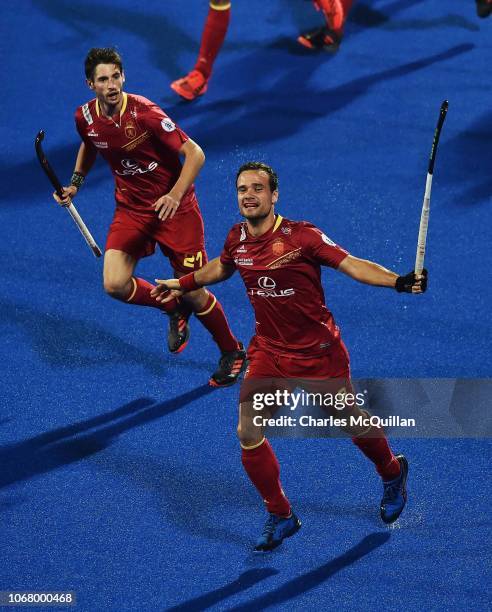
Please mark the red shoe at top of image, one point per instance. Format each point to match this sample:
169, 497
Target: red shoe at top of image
190, 86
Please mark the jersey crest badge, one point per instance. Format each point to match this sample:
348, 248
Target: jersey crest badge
130, 130
278, 248
168, 125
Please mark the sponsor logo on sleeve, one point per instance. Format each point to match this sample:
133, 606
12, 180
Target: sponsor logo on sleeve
325, 238
168, 125
87, 114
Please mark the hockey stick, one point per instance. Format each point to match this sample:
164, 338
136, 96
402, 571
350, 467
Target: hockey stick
424, 217
59, 190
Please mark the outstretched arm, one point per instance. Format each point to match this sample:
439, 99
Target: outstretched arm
371, 273
213, 272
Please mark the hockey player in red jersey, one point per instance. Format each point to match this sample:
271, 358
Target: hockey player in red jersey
296, 335
195, 83
156, 202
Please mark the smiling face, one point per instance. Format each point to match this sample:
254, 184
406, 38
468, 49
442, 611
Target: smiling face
107, 84
255, 198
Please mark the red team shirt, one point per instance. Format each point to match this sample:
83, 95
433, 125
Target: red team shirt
142, 150
282, 273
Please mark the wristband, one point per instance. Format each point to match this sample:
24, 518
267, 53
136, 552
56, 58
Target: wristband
188, 282
77, 179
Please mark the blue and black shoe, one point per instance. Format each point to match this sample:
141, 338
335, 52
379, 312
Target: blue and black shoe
276, 529
395, 493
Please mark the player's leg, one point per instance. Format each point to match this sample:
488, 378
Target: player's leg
121, 284
370, 439
208, 310
181, 239
195, 83
393, 469
329, 36
258, 457
126, 244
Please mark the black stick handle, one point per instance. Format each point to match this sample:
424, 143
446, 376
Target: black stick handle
50, 173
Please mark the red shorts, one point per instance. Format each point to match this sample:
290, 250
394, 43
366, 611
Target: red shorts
181, 238
268, 371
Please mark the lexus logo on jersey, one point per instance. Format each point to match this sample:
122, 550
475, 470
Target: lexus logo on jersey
131, 167
265, 282
268, 289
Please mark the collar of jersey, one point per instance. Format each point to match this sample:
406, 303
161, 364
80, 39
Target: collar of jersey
123, 106
271, 231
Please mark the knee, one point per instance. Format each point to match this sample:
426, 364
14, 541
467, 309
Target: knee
115, 288
248, 436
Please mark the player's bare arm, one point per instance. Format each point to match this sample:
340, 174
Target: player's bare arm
84, 162
212, 273
194, 158
371, 273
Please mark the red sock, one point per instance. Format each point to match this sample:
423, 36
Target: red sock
140, 296
379, 452
213, 318
263, 469
335, 12
213, 36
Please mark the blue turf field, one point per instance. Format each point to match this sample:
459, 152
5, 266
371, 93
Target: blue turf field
119, 468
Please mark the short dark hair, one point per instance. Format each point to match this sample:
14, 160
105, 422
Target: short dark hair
254, 165
98, 55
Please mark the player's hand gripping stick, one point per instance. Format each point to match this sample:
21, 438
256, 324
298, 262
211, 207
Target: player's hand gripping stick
59, 190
